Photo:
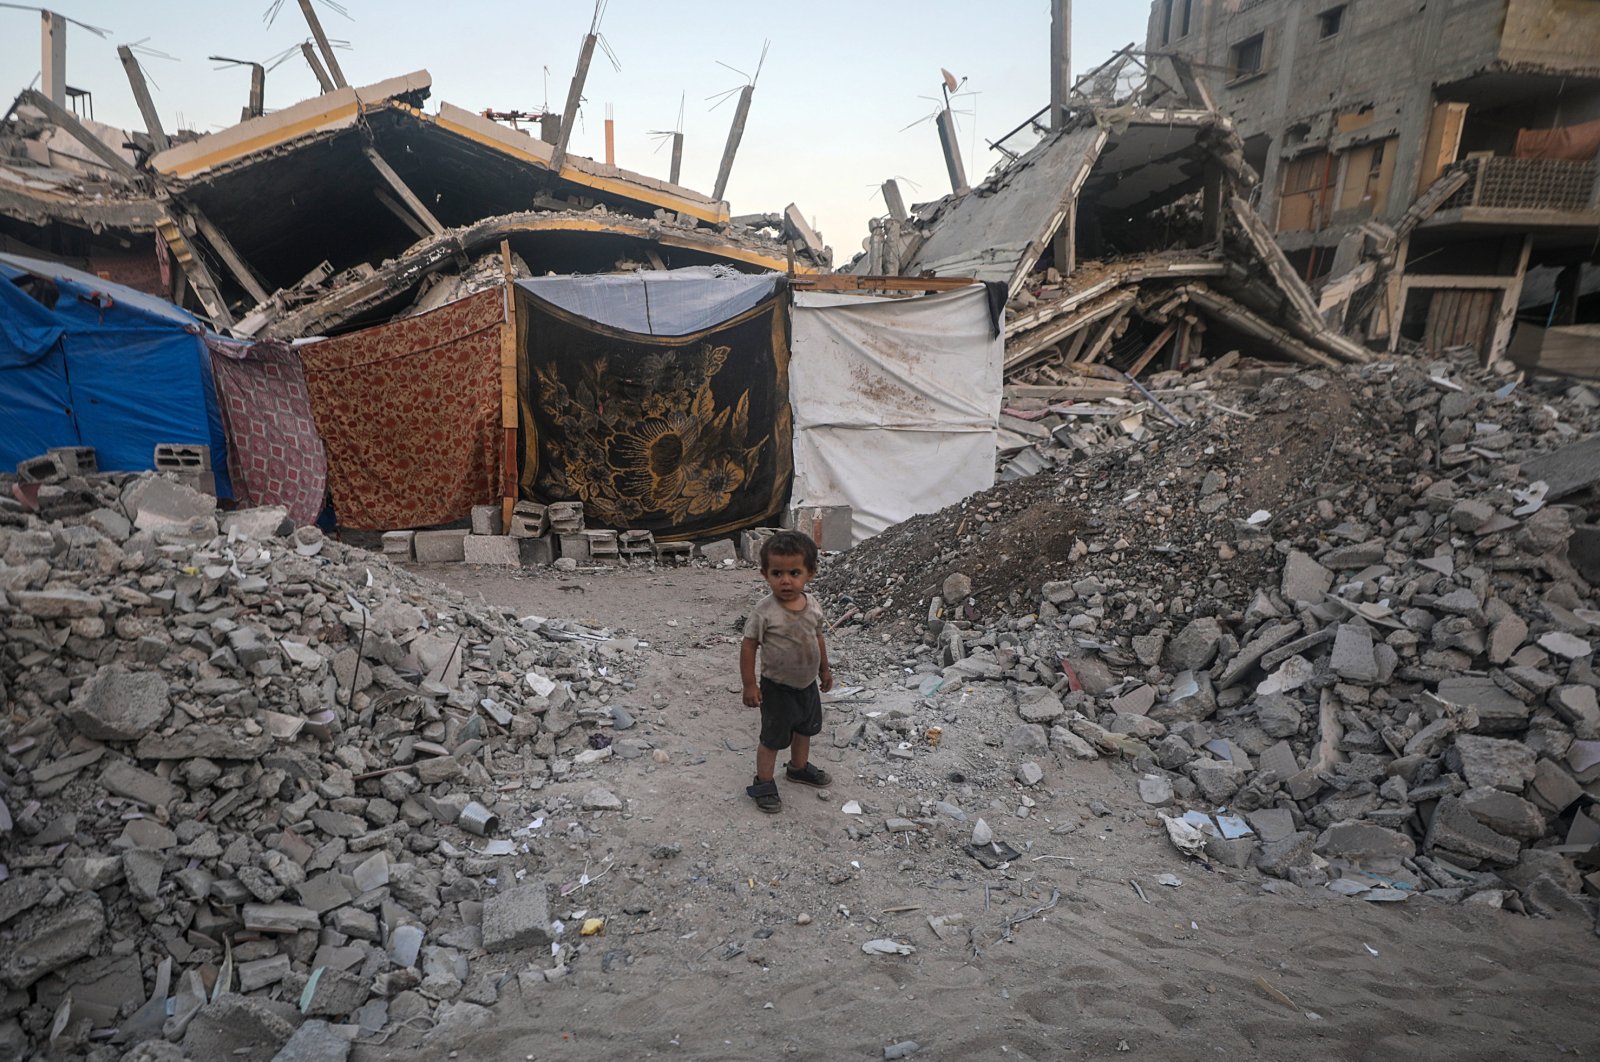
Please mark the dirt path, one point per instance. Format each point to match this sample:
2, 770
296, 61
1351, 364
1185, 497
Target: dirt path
704, 957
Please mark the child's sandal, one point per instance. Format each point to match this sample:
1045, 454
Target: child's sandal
810, 774
765, 795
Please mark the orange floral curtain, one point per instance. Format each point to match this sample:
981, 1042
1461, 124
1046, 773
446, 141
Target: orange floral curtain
410, 414
685, 436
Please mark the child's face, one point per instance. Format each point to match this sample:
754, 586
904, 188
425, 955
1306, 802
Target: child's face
787, 576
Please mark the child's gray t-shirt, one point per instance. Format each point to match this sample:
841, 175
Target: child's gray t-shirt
789, 651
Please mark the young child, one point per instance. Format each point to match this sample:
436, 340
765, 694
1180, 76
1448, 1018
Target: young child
787, 628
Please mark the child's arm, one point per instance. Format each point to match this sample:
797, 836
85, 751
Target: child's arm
747, 673
824, 670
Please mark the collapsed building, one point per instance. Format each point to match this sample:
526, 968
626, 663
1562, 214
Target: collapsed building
1431, 168
352, 206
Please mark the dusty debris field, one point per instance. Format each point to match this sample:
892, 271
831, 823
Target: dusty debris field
731, 934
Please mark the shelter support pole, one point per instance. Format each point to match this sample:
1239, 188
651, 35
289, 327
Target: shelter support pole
322, 43
401, 189
741, 113
569, 114
316, 67
508, 392
231, 258
141, 96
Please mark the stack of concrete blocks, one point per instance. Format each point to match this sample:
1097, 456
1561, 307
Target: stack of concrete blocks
566, 526
440, 547
826, 525
750, 542
397, 545
491, 542
530, 526
636, 545
189, 462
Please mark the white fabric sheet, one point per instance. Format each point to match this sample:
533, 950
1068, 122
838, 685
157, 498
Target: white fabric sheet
896, 402
674, 302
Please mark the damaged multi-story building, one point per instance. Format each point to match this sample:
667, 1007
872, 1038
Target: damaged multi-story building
1431, 168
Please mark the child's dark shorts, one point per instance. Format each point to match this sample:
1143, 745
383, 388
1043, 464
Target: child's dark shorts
786, 711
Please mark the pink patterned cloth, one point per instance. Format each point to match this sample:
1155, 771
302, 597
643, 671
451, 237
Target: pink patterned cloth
275, 455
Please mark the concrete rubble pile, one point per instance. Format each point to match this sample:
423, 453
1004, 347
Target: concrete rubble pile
1345, 634
257, 784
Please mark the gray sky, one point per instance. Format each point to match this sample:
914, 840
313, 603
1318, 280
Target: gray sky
841, 81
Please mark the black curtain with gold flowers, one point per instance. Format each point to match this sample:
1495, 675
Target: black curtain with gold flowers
685, 436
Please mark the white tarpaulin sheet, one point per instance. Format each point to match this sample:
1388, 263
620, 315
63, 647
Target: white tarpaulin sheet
896, 402
658, 303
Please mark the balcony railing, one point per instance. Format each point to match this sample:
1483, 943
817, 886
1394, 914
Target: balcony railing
1528, 184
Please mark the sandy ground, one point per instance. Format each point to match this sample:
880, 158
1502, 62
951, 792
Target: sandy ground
703, 957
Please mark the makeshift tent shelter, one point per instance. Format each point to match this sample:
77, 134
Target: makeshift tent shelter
896, 402
410, 414
660, 400
105, 366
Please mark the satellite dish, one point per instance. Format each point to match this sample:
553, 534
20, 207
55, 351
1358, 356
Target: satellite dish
950, 81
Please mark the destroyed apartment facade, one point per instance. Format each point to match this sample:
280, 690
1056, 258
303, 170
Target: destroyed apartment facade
1433, 169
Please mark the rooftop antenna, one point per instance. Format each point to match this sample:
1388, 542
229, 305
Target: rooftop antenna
740, 114
675, 135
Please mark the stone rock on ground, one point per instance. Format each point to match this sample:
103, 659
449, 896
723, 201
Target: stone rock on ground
518, 918
121, 705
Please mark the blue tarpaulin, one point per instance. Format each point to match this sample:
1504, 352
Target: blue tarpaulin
107, 367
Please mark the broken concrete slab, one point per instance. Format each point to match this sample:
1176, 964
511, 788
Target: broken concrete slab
1495, 762
1304, 580
47, 941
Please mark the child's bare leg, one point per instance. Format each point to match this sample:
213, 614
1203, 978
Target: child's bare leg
766, 762
800, 751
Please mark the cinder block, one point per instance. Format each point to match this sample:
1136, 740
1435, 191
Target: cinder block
602, 544
75, 460
182, 457
487, 520
573, 546
636, 544
528, 520
440, 547
537, 552
751, 541
565, 517
46, 468
492, 549
827, 525
676, 552
397, 544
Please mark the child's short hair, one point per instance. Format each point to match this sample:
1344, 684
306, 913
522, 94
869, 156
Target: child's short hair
790, 544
